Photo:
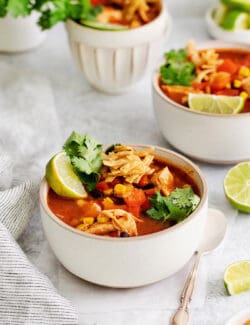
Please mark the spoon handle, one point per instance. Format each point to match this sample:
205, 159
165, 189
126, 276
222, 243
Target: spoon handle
181, 316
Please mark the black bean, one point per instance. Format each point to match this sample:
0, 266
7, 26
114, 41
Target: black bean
97, 194
124, 234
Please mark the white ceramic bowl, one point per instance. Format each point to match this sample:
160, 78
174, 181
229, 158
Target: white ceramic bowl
242, 36
213, 138
113, 61
20, 34
128, 262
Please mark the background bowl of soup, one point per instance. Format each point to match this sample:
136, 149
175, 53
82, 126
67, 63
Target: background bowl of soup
214, 138
133, 261
113, 61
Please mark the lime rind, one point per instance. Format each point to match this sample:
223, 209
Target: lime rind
62, 179
243, 5
219, 13
104, 26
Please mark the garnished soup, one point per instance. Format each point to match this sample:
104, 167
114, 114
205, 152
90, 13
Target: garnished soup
134, 192
217, 72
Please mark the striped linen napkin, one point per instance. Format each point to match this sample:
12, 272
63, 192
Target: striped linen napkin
26, 295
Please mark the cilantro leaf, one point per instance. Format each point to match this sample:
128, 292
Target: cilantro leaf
178, 70
19, 8
85, 156
3, 8
176, 207
54, 11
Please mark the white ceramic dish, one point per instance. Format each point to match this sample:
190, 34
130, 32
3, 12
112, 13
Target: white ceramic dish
113, 61
20, 34
128, 262
212, 138
242, 36
240, 318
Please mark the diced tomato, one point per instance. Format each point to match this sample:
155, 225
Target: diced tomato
150, 191
228, 92
134, 201
137, 197
146, 205
220, 80
102, 186
228, 66
144, 181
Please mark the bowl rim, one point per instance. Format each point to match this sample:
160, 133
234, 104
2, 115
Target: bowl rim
162, 13
44, 187
211, 23
157, 88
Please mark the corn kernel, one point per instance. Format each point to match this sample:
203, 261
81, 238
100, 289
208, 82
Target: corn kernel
81, 227
121, 190
88, 220
108, 200
80, 203
108, 192
102, 219
237, 83
244, 94
244, 71
228, 85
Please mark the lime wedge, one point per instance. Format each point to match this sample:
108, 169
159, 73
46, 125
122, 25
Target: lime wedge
62, 179
237, 277
215, 104
235, 20
219, 13
238, 4
104, 26
237, 186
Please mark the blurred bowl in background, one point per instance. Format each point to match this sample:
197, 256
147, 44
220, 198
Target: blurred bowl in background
217, 32
113, 61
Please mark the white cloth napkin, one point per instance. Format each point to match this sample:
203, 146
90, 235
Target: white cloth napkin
27, 114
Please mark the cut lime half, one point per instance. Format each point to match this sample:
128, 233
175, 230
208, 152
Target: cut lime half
219, 13
215, 104
238, 4
62, 179
237, 277
235, 20
237, 186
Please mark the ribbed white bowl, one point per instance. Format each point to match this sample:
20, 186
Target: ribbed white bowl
20, 34
112, 61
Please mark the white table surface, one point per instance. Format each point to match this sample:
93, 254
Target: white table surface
129, 118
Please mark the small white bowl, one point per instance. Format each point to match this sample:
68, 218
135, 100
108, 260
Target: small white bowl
241, 36
113, 61
20, 34
134, 261
214, 138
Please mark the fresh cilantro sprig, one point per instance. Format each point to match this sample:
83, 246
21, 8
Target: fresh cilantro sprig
85, 156
16, 7
176, 207
54, 11
178, 70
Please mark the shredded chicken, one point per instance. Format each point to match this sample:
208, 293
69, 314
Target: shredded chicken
246, 85
119, 220
127, 162
164, 181
206, 61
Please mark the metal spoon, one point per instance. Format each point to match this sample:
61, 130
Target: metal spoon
214, 232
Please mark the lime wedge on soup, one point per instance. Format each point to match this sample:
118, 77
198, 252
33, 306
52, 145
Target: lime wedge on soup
62, 178
237, 277
215, 104
235, 20
237, 186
